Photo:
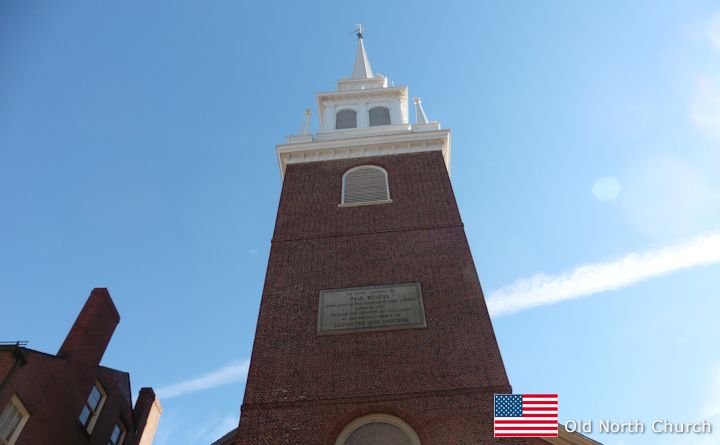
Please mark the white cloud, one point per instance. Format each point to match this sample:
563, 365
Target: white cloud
705, 107
187, 428
606, 189
588, 279
714, 30
711, 408
234, 372
222, 427
666, 197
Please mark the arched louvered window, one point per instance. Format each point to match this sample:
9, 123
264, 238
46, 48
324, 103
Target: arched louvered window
346, 119
378, 429
365, 184
379, 116
378, 433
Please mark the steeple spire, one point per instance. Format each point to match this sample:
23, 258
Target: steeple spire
420, 116
362, 69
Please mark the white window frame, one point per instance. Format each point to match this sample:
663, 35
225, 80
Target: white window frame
346, 108
364, 203
380, 418
123, 432
94, 414
384, 106
18, 405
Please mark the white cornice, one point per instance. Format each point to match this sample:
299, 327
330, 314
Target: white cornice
361, 94
355, 133
400, 142
395, 93
362, 84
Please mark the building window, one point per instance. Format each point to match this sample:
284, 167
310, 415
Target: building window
378, 429
118, 434
366, 184
345, 119
379, 116
12, 421
93, 405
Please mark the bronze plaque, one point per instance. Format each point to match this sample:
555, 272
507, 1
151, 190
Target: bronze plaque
376, 308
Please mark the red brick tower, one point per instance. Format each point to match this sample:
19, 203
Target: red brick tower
372, 328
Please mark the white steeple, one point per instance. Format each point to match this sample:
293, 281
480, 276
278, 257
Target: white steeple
364, 117
362, 69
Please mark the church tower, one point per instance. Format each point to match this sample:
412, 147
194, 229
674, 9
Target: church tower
373, 328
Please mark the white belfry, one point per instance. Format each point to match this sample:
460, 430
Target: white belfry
364, 117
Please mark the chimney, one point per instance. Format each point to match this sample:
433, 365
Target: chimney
90, 335
147, 414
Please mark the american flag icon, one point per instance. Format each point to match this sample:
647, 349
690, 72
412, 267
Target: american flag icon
526, 415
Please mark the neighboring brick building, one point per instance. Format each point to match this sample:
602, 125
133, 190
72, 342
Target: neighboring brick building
373, 327
69, 398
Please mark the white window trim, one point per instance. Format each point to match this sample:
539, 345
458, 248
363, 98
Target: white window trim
356, 204
372, 107
367, 203
349, 108
383, 418
101, 404
15, 400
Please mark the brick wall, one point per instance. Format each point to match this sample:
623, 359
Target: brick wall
53, 388
94, 327
303, 388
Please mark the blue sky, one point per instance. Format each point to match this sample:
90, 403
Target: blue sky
137, 153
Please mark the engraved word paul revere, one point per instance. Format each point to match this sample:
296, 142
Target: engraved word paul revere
376, 308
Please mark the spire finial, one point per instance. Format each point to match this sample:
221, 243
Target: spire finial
362, 68
306, 126
420, 116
